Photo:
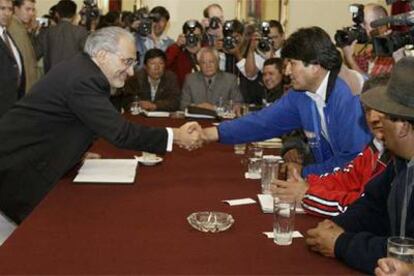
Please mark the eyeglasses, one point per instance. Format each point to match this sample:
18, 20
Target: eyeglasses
128, 62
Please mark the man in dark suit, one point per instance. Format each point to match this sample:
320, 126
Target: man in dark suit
48, 131
11, 63
155, 88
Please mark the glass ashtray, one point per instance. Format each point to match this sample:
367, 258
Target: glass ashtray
210, 221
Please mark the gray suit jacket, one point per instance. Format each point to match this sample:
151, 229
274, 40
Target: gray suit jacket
196, 90
61, 42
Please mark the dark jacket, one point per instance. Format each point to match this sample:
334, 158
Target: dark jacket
167, 97
373, 218
61, 42
47, 132
10, 91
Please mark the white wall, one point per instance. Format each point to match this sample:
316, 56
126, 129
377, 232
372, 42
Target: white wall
331, 15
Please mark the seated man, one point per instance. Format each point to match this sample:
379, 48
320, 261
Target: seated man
272, 80
155, 88
181, 56
359, 236
210, 87
331, 194
320, 103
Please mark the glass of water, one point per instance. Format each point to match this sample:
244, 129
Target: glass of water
401, 248
284, 221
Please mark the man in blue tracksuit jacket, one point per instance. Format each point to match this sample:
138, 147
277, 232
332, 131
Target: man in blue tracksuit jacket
359, 236
320, 103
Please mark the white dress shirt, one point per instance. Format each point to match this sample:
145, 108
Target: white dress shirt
319, 97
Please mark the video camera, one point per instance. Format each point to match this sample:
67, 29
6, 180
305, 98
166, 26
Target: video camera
191, 39
386, 45
356, 32
265, 42
89, 12
145, 19
229, 41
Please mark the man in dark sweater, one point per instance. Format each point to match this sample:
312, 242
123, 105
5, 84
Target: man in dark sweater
359, 236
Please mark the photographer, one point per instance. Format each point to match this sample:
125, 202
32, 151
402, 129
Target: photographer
212, 23
181, 56
364, 61
263, 45
158, 19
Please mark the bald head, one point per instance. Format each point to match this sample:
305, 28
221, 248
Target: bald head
373, 12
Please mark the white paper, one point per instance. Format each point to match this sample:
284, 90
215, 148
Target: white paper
248, 175
296, 234
242, 201
157, 114
107, 171
266, 203
200, 116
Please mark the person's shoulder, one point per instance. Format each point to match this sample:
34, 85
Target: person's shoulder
169, 75
227, 76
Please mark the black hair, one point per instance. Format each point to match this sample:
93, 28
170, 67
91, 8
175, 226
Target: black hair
19, 3
154, 53
197, 25
276, 62
372, 82
276, 24
66, 8
161, 11
238, 27
312, 46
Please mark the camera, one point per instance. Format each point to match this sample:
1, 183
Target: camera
229, 41
145, 19
89, 12
356, 32
214, 23
386, 45
43, 22
191, 39
265, 42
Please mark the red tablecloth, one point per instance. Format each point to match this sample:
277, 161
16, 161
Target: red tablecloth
142, 228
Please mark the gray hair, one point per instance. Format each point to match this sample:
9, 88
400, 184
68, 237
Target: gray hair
211, 50
106, 39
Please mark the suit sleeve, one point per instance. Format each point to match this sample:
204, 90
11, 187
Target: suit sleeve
185, 95
89, 101
235, 91
171, 101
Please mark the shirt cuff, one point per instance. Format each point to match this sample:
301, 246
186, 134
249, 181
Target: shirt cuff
170, 139
242, 70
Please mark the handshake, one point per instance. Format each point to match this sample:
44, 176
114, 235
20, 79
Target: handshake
191, 136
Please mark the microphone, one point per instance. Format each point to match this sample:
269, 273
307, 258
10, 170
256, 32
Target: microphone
399, 19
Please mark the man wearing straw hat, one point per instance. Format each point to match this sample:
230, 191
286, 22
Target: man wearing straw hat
359, 236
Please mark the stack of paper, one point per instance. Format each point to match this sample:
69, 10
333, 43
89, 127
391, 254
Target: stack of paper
156, 114
107, 171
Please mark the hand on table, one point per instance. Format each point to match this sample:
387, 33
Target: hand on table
391, 266
322, 238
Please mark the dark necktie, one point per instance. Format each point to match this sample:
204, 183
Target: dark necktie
8, 44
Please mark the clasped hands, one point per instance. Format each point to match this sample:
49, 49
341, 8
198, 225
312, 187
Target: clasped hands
191, 136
